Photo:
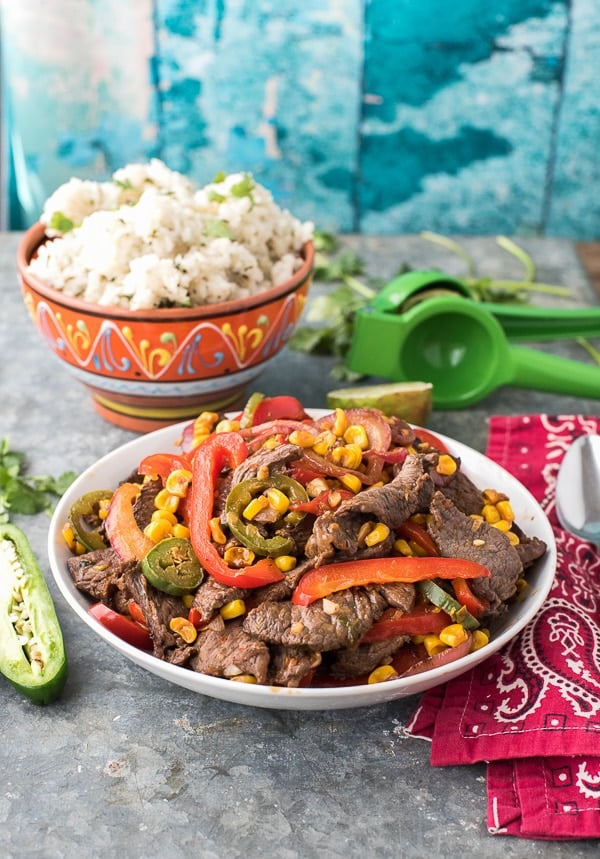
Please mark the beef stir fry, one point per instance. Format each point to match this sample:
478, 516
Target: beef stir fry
279, 549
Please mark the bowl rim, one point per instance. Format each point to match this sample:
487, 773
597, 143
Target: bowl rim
35, 236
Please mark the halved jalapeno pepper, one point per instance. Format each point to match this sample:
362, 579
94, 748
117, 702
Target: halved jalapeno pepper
249, 534
32, 650
84, 517
172, 567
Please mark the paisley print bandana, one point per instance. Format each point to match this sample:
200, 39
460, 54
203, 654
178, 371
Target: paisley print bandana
532, 710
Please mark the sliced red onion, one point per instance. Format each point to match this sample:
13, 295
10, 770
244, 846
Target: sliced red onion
438, 660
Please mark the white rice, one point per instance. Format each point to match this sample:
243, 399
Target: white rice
148, 238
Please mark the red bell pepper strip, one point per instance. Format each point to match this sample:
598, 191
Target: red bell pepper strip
278, 408
122, 626
325, 580
124, 534
422, 620
430, 439
213, 455
162, 464
474, 605
418, 534
136, 613
329, 499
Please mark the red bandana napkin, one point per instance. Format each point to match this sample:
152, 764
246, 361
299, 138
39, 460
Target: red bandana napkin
532, 710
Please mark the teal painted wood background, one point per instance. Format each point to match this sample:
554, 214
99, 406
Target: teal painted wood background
380, 116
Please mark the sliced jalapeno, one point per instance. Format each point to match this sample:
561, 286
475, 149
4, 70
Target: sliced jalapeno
32, 651
85, 520
249, 534
172, 567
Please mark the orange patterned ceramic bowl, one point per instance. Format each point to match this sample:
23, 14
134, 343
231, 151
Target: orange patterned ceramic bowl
147, 369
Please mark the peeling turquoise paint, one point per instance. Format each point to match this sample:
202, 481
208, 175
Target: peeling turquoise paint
377, 116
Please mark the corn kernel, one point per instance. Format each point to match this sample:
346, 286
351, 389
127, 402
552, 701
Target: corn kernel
446, 464
316, 487
278, 500
417, 550
216, 532
382, 673
234, 608
348, 456
402, 547
164, 514
207, 418
182, 531
184, 628
490, 514
357, 434
158, 530
433, 644
165, 500
324, 442
453, 634
505, 510
363, 531
244, 678
522, 586
238, 556
502, 525
178, 481
254, 507
379, 533
492, 496
419, 518
513, 538
103, 506
303, 438
227, 425
285, 563
72, 542
271, 443
340, 424
351, 482
479, 638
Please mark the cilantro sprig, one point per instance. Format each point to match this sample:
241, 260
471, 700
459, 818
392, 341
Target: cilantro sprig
25, 494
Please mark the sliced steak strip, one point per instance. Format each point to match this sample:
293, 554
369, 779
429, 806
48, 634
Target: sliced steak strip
230, 653
212, 596
290, 665
464, 494
143, 507
101, 574
409, 492
338, 621
399, 595
529, 548
159, 609
459, 536
265, 462
366, 657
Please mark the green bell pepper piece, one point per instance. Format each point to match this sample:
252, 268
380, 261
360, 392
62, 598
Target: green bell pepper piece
32, 651
442, 599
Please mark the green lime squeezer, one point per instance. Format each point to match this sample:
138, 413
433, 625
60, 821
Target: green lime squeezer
425, 326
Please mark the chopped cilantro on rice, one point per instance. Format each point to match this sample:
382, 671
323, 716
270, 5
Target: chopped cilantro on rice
149, 238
